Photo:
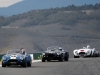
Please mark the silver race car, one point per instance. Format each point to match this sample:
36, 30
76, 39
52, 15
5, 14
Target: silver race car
55, 53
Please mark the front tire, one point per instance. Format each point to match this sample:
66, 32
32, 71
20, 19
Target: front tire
61, 58
30, 64
3, 65
76, 56
66, 56
25, 63
43, 59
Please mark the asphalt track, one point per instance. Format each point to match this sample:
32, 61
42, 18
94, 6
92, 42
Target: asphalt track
75, 66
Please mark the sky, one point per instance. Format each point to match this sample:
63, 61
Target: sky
7, 3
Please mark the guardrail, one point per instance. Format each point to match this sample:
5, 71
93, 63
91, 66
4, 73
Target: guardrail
35, 56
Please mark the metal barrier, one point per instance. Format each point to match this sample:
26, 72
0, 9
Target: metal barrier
37, 56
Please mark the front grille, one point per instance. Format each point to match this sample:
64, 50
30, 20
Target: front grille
82, 53
50, 55
11, 61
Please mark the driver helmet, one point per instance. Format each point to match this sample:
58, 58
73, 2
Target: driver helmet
60, 48
22, 50
88, 46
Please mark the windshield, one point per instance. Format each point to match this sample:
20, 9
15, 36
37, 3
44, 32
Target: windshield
53, 48
13, 51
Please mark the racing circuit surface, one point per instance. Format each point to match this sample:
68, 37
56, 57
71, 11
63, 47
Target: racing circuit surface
75, 66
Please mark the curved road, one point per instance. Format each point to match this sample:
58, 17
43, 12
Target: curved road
75, 66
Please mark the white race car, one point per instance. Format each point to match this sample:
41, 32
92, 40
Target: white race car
86, 52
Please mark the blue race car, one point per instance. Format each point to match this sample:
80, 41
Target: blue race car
16, 57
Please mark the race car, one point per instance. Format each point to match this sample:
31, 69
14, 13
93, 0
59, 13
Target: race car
16, 57
55, 53
86, 52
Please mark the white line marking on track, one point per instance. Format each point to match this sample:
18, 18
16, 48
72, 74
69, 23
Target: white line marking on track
36, 61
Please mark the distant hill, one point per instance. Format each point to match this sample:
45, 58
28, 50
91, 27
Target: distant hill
28, 5
65, 15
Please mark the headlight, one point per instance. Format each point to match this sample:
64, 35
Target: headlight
75, 51
43, 53
4, 58
21, 58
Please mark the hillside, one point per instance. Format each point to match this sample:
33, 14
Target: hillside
38, 29
38, 38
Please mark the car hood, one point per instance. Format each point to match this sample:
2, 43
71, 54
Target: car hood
14, 55
84, 50
52, 52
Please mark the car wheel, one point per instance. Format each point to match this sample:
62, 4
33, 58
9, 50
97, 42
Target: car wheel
91, 54
25, 63
98, 54
30, 64
61, 58
76, 56
94, 55
3, 65
66, 57
43, 59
